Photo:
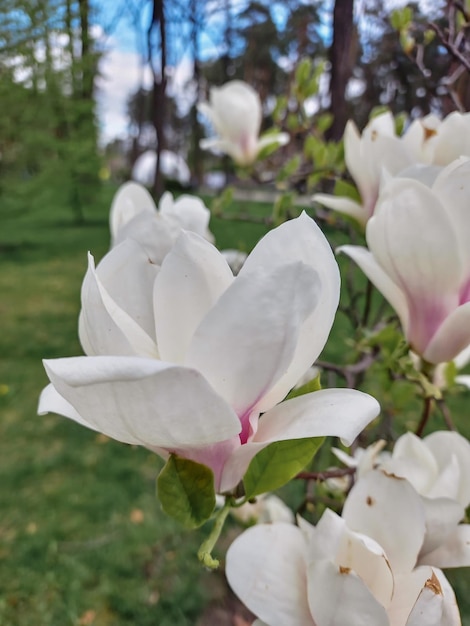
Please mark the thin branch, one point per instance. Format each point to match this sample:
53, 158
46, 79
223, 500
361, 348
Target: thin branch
424, 417
321, 476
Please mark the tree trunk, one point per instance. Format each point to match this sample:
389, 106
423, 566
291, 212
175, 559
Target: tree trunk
341, 65
159, 90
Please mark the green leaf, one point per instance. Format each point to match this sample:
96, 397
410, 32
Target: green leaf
186, 491
312, 385
275, 465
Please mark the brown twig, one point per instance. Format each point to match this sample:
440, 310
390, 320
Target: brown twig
425, 416
333, 473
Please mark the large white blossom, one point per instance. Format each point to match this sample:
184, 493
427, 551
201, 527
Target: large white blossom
362, 568
358, 569
419, 259
186, 359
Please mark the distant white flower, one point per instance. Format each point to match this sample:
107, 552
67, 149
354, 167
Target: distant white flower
367, 156
134, 216
235, 113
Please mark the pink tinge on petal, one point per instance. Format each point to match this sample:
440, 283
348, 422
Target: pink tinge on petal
214, 456
464, 295
425, 317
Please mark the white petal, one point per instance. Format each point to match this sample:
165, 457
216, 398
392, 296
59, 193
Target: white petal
450, 613
337, 596
143, 401
452, 336
442, 516
445, 445
428, 608
412, 459
380, 279
124, 278
281, 139
201, 275
367, 559
343, 205
454, 553
323, 540
248, 339
408, 228
389, 510
190, 211
408, 586
130, 200
50, 401
154, 232
301, 240
266, 569
329, 412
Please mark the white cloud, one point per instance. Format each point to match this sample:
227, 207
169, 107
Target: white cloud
120, 75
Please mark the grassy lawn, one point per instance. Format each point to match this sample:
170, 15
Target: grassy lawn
82, 538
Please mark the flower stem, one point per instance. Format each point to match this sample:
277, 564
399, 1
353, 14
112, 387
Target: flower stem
204, 553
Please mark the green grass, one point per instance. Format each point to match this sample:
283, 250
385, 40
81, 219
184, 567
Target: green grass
82, 538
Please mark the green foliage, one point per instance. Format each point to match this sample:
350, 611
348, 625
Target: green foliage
278, 463
186, 491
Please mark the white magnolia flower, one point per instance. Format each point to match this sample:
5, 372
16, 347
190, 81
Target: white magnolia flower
134, 216
337, 573
235, 113
187, 359
419, 259
427, 146
367, 156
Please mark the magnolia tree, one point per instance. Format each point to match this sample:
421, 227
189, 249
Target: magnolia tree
213, 370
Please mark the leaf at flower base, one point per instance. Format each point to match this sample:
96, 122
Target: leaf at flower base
312, 385
276, 464
186, 491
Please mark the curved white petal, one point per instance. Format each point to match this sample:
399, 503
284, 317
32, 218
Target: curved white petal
444, 445
455, 552
380, 279
408, 227
389, 510
330, 412
412, 459
428, 608
408, 586
450, 612
50, 401
452, 187
367, 559
338, 596
300, 240
139, 401
154, 232
117, 315
200, 274
248, 339
442, 516
130, 200
452, 336
192, 213
266, 569
343, 205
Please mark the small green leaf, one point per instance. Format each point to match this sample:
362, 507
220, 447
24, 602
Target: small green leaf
312, 385
275, 465
186, 491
